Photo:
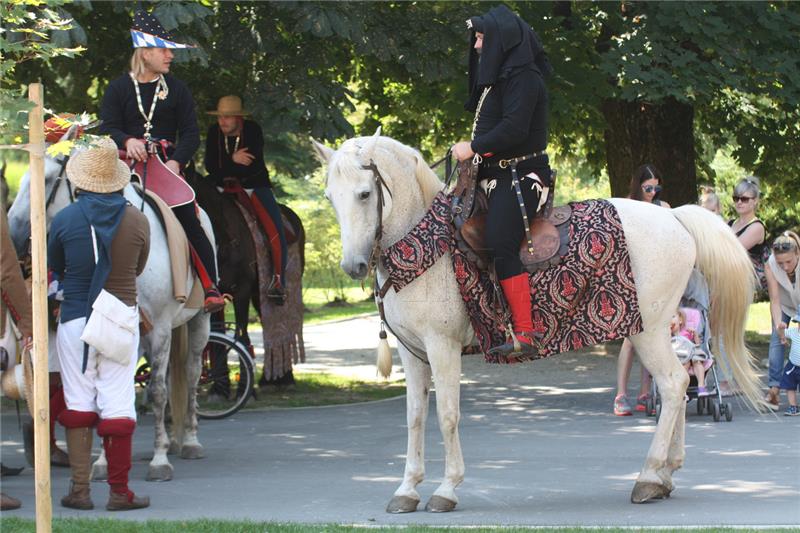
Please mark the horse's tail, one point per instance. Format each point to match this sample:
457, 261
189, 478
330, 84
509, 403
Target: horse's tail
178, 389
731, 282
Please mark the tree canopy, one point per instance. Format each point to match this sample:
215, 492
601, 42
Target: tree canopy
634, 82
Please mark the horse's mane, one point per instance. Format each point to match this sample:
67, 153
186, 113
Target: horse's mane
351, 164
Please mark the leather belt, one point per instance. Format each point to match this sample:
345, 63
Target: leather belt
514, 161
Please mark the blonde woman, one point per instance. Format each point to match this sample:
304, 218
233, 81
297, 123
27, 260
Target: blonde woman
748, 228
783, 285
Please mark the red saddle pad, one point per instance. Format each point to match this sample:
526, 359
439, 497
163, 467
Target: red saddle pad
170, 187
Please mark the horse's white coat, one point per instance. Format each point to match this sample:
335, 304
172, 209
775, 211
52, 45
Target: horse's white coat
155, 297
429, 317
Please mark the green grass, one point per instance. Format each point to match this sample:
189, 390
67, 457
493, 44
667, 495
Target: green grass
107, 525
313, 389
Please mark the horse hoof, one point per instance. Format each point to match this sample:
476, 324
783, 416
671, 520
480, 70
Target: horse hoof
194, 451
646, 491
159, 473
99, 473
437, 504
402, 504
174, 447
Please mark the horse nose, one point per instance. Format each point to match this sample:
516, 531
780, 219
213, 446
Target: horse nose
356, 269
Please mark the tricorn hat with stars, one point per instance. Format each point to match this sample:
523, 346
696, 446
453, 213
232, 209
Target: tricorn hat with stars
147, 32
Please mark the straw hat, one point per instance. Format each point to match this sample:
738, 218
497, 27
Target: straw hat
99, 168
229, 106
16, 383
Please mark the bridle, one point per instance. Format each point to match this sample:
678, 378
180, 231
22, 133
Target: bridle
59, 178
375, 255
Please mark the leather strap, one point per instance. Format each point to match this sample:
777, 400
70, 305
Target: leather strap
514, 161
526, 223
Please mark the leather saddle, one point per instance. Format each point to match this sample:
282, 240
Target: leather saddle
549, 227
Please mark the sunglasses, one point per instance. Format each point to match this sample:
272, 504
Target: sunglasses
651, 188
783, 246
743, 199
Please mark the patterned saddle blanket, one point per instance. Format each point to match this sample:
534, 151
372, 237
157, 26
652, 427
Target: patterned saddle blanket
587, 299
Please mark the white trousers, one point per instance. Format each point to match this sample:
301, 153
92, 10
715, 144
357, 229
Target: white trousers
106, 387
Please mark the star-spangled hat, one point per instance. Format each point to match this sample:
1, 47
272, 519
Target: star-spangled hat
147, 32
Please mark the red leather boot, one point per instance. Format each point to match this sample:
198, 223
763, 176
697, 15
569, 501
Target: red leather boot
517, 291
117, 436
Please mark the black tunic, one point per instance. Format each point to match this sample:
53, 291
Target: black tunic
513, 120
220, 164
174, 118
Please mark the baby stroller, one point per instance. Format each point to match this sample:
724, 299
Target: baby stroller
694, 304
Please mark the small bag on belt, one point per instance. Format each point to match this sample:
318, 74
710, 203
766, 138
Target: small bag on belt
112, 327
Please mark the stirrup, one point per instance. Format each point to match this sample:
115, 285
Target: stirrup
276, 293
513, 347
213, 302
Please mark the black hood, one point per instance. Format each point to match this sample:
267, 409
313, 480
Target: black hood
508, 43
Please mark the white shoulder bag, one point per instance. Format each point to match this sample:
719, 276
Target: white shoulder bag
112, 329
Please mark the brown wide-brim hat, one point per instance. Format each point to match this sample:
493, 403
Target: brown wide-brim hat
229, 106
99, 168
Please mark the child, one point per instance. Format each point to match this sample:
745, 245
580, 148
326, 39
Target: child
684, 342
791, 374
709, 199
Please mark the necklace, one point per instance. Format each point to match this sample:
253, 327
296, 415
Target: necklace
235, 145
478, 109
162, 90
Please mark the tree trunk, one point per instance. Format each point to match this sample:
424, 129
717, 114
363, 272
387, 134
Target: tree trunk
661, 134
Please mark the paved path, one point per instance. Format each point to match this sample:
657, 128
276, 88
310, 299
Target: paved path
540, 443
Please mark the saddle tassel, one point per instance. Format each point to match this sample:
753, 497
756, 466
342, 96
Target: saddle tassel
384, 358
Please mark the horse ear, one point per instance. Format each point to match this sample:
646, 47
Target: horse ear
72, 133
365, 153
322, 152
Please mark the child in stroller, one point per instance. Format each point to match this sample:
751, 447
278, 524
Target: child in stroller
702, 369
686, 343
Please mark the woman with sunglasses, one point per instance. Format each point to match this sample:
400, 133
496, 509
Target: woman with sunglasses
783, 285
646, 187
747, 227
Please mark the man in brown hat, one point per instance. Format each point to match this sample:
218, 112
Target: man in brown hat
235, 161
99, 242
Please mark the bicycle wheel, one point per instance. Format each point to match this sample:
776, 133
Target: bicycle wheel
227, 378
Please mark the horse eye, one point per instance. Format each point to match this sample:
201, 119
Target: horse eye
363, 195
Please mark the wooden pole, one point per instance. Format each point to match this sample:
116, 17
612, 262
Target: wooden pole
41, 396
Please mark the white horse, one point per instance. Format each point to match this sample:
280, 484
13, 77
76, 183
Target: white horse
428, 318
155, 297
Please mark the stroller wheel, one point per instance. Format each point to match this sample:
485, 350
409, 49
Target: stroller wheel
728, 412
700, 404
715, 411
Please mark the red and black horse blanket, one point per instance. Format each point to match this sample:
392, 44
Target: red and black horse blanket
589, 298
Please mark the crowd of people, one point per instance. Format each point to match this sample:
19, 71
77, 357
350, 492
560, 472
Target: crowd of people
98, 245
776, 268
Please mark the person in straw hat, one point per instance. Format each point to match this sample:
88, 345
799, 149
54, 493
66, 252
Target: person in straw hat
98, 392
235, 161
148, 108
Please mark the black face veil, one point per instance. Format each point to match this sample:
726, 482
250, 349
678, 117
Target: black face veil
508, 43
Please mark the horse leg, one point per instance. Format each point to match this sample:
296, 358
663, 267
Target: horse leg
666, 451
445, 358
159, 339
418, 385
198, 338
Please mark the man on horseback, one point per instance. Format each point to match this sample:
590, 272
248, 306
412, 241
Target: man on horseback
235, 162
150, 113
509, 138
97, 245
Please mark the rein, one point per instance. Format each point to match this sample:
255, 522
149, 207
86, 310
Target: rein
59, 179
375, 254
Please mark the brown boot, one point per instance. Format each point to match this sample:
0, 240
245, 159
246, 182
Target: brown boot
79, 444
7, 503
126, 501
